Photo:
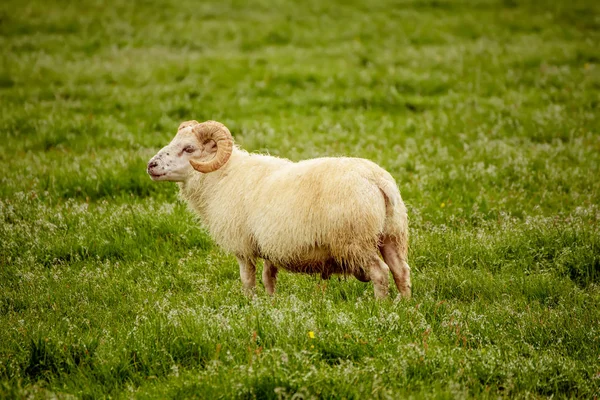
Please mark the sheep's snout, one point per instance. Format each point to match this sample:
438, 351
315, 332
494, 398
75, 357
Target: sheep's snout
171, 165
153, 169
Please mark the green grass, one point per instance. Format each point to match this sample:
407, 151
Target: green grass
486, 112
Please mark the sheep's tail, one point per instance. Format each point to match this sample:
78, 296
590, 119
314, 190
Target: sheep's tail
390, 193
396, 221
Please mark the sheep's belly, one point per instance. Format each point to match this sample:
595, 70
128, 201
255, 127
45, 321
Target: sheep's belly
313, 260
327, 267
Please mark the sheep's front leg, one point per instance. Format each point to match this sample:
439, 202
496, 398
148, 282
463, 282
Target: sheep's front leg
248, 274
269, 276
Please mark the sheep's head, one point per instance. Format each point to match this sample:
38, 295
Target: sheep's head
202, 147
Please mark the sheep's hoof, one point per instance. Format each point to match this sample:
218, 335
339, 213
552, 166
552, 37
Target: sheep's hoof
404, 295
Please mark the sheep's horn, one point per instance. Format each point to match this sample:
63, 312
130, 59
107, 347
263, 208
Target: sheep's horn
213, 130
185, 124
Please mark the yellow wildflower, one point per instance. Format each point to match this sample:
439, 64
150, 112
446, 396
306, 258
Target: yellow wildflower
311, 334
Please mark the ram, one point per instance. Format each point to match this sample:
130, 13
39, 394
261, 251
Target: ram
321, 216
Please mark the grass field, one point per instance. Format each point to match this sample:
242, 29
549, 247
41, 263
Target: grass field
486, 112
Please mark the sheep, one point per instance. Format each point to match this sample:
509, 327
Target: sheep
322, 216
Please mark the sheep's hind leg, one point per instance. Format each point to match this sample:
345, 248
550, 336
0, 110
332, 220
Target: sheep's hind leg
269, 276
379, 274
362, 275
248, 274
397, 263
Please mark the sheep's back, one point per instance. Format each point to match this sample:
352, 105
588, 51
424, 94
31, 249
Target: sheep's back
320, 208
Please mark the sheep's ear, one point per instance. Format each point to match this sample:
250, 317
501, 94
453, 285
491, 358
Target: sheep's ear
185, 124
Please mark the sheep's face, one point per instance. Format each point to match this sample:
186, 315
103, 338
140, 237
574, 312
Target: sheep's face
172, 163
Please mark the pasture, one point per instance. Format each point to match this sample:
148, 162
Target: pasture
486, 112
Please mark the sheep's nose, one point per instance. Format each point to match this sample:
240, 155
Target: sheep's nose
152, 164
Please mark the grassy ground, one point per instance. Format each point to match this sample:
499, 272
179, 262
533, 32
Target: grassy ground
486, 112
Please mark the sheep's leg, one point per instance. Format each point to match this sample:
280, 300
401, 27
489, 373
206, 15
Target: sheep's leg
362, 275
248, 274
379, 274
397, 263
269, 276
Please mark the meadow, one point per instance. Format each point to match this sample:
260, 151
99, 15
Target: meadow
486, 112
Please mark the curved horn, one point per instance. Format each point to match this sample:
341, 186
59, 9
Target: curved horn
213, 130
185, 124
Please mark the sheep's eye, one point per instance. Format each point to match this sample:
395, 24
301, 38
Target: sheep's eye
189, 149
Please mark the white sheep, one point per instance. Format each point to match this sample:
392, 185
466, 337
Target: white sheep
325, 215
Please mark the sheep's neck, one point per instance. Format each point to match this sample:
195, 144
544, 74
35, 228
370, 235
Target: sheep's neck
196, 189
